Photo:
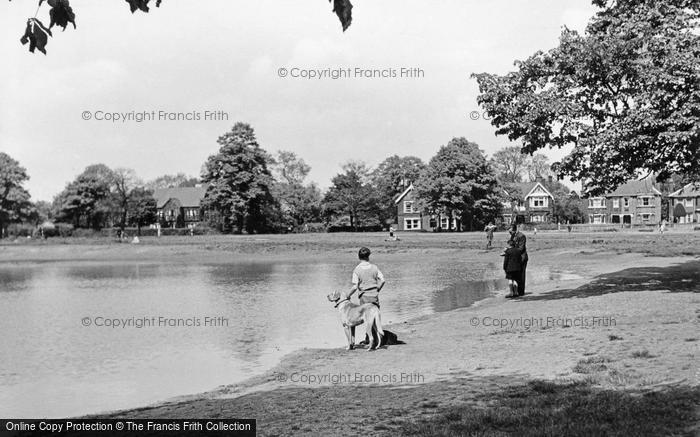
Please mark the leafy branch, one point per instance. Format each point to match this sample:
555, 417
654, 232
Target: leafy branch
61, 14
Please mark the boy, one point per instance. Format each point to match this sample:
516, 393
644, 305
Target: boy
368, 280
512, 264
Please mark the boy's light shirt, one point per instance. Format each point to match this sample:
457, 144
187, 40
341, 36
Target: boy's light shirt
365, 265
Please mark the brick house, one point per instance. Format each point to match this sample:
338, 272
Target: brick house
535, 206
410, 218
635, 202
684, 204
179, 207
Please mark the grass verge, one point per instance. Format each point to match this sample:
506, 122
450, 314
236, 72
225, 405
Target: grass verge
574, 409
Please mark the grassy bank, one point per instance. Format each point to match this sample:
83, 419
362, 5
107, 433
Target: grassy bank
566, 409
219, 247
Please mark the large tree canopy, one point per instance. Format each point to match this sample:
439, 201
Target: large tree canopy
299, 203
625, 96
352, 195
239, 181
14, 198
391, 177
459, 180
61, 14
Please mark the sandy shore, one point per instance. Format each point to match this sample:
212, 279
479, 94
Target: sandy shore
626, 321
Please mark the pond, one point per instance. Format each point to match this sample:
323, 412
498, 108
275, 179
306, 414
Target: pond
87, 337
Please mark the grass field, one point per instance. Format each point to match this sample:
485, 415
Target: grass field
215, 247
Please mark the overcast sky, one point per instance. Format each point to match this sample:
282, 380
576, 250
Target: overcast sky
225, 55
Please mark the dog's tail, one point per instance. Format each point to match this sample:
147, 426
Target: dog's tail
377, 321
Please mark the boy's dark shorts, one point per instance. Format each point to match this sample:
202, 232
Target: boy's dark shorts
369, 299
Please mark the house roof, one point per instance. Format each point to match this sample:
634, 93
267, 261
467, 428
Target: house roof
402, 195
526, 188
636, 188
690, 190
189, 197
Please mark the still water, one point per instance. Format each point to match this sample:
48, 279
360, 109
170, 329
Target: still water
53, 365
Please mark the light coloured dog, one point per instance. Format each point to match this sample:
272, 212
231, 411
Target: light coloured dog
352, 315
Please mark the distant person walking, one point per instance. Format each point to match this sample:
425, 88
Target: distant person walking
512, 265
489, 234
520, 241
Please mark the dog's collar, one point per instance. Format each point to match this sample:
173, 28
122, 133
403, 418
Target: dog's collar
341, 301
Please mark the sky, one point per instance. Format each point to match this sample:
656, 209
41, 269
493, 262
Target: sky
227, 56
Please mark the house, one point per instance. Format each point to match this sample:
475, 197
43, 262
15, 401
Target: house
181, 206
597, 210
411, 218
535, 204
684, 204
635, 202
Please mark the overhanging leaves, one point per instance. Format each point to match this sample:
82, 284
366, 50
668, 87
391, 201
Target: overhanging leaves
36, 34
625, 96
61, 13
343, 9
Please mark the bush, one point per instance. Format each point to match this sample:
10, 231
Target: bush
543, 226
22, 230
375, 228
314, 227
63, 230
86, 233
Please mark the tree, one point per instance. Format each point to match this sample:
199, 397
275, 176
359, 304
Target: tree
568, 209
391, 178
124, 181
14, 198
538, 167
87, 201
289, 168
509, 163
172, 181
299, 203
61, 14
42, 211
459, 180
352, 195
142, 208
625, 96
567, 204
240, 182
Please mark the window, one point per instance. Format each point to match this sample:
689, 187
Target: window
616, 203
538, 202
688, 203
408, 207
646, 201
537, 218
411, 224
598, 219
626, 202
444, 223
596, 202
645, 217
